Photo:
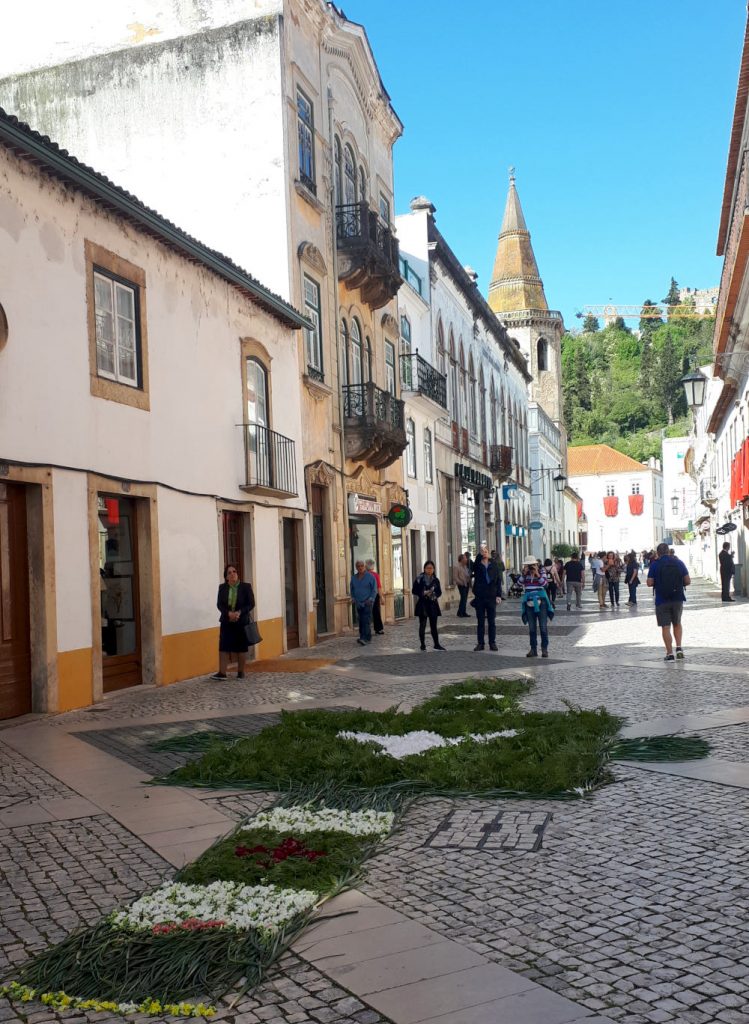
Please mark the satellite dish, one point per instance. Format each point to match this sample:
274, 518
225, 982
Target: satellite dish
726, 528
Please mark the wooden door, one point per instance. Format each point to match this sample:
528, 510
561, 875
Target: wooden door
290, 583
318, 544
15, 633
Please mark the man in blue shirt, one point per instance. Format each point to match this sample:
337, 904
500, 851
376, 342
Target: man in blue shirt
363, 591
669, 576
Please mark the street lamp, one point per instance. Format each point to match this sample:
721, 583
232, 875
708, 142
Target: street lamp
560, 482
695, 383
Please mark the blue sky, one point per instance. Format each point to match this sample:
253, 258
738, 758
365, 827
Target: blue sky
616, 116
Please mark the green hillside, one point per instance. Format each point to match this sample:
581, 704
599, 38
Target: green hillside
621, 387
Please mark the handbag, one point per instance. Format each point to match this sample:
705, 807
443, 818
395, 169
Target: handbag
251, 632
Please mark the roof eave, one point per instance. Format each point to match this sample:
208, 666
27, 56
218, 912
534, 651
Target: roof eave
734, 147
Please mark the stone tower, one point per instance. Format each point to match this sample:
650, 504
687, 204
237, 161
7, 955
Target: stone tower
516, 294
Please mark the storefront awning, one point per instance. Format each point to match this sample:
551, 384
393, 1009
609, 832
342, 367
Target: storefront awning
515, 531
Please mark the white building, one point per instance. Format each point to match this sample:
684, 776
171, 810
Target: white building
622, 499
481, 461
144, 377
705, 299
263, 127
680, 494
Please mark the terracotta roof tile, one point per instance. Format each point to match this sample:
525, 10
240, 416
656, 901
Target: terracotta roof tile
597, 459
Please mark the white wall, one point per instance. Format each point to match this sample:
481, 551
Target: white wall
624, 531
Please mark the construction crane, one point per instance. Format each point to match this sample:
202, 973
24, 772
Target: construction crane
684, 311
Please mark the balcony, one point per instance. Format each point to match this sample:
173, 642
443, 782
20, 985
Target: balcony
373, 425
500, 461
270, 460
367, 254
420, 379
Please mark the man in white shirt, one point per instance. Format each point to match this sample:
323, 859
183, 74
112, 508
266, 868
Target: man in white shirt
599, 580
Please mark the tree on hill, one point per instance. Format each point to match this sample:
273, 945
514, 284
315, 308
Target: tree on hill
648, 321
672, 296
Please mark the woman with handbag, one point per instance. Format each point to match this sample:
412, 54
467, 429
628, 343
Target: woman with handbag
235, 602
427, 591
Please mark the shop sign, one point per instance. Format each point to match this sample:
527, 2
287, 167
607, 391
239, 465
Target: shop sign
473, 477
359, 505
400, 515
535, 525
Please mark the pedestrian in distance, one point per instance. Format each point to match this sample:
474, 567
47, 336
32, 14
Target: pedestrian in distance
536, 606
632, 577
486, 597
377, 606
363, 591
574, 574
613, 570
427, 591
552, 585
462, 580
559, 566
599, 579
727, 570
669, 577
235, 601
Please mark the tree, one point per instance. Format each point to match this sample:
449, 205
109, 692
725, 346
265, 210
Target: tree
619, 325
672, 297
591, 324
667, 373
649, 323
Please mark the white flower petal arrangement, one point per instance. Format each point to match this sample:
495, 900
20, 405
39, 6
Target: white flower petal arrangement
417, 742
303, 818
265, 907
480, 696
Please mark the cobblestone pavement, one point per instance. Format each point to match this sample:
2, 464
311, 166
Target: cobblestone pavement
632, 902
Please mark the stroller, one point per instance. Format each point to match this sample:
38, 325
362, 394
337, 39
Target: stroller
516, 587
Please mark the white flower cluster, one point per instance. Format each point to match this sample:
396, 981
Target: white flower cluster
303, 818
479, 696
418, 742
238, 906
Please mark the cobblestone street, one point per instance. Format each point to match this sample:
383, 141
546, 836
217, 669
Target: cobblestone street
630, 903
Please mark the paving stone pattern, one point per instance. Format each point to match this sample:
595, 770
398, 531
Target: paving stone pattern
730, 743
21, 782
634, 908
476, 828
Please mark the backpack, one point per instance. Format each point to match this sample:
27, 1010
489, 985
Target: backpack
670, 582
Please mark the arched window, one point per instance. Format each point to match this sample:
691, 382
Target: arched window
463, 385
482, 405
440, 348
338, 171
349, 175
356, 352
542, 355
524, 441
368, 360
473, 425
362, 185
493, 411
502, 433
411, 447
345, 352
454, 396
257, 393
405, 335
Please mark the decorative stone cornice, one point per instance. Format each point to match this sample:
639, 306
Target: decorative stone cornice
311, 255
389, 323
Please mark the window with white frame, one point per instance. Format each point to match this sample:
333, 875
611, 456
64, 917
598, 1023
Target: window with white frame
306, 133
390, 367
117, 329
610, 490
472, 397
411, 448
356, 352
635, 486
313, 336
406, 362
428, 456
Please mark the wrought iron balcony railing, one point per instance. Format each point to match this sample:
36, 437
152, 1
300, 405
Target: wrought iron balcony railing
270, 459
420, 376
368, 253
374, 424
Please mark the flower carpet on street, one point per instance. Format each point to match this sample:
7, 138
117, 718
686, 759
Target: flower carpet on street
222, 923
344, 777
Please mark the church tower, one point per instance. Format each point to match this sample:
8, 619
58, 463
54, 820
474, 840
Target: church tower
516, 295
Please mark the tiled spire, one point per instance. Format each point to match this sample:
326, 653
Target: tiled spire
515, 283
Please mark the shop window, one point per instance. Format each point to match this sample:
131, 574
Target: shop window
116, 328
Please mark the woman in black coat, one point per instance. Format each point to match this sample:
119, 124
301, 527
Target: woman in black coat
428, 591
235, 602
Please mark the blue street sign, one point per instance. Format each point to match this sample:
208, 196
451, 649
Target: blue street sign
535, 525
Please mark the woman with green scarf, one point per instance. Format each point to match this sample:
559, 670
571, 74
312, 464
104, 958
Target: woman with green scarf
235, 602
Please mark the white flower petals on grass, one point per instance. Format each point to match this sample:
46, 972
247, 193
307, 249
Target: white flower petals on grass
266, 907
303, 818
417, 742
479, 696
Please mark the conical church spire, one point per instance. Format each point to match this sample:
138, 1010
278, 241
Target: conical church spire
515, 283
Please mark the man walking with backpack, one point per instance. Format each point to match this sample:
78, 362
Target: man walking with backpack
669, 576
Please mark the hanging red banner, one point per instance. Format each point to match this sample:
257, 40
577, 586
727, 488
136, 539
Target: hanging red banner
611, 506
636, 504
